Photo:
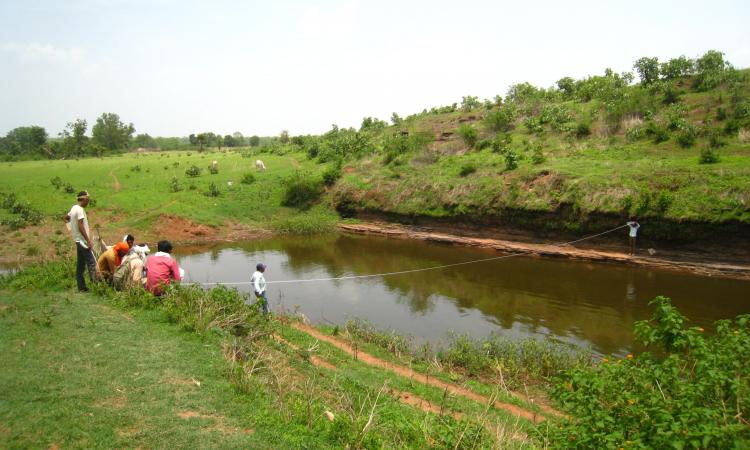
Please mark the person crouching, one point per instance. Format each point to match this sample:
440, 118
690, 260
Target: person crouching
161, 269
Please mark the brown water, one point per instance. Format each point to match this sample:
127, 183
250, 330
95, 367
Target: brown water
587, 304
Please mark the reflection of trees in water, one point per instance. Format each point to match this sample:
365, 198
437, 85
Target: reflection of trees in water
518, 290
592, 302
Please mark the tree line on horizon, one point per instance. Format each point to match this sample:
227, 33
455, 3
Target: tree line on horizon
657, 79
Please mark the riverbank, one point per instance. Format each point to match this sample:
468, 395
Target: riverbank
673, 260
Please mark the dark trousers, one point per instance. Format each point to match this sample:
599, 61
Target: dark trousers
85, 260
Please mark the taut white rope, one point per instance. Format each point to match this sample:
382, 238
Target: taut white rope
401, 272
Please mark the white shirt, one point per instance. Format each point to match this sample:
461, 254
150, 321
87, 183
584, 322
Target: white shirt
633, 228
259, 281
77, 213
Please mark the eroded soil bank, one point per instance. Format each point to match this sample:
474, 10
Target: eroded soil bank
729, 265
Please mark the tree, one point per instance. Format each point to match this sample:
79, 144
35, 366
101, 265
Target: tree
711, 70
395, 119
193, 139
254, 141
284, 137
75, 141
201, 140
111, 133
145, 141
648, 70
229, 141
567, 85
677, 68
238, 138
25, 141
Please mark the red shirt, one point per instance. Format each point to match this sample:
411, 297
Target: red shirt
160, 270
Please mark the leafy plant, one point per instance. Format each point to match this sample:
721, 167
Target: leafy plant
193, 171
469, 134
301, 190
247, 178
174, 185
467, 169
695, 394
708, 156
511, 160
213, 190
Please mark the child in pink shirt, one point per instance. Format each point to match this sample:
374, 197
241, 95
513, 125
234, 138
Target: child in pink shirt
161, 269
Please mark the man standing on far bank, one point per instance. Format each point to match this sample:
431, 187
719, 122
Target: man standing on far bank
79, 227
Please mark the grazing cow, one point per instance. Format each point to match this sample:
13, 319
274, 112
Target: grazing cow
259, 165
214, 165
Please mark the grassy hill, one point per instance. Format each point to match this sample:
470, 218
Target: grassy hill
666, 152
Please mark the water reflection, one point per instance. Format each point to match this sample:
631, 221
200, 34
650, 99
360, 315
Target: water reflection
583, 303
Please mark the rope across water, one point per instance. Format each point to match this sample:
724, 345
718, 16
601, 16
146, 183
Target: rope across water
402, 272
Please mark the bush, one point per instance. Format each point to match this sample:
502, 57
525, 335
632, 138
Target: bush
193, 171
136, 168
332, 174
501, 143
301, 191
721, 113
511, 160
694, 394
500, 120
469, 134
467, 169
708, 156
657, 132
247, 178
537, 156
174, 185
213, 190
484, 143
583, 129
687, 137
213, 169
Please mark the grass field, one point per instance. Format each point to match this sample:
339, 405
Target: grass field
201, 370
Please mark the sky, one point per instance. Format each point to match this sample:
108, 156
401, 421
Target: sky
175, 67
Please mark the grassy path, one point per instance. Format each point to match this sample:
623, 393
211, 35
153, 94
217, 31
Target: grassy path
77, 373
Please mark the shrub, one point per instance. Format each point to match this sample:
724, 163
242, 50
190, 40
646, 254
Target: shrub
501, 119
687, 137
136, 168
708, 156
657, 132
174, 185
301, 191
484, 143
193, 171
537, 156
678, 399
721, 113
467, 169
501, 143
533, 125
57, 182
583, 129
247, 178
213, 169
213, 190
469, 134
511, 160
332, 174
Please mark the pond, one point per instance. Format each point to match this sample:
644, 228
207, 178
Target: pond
586, 304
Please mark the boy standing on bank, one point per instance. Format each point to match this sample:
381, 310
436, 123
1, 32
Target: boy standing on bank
259, 285
78, 223
633, 225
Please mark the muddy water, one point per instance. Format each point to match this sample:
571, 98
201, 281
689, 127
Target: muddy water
590, 305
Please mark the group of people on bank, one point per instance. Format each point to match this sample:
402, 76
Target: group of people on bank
127, 265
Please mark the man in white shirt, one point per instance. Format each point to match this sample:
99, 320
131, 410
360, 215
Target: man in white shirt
78, 224
634, 225
259, 285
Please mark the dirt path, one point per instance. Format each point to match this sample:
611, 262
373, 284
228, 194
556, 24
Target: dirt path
115, 183
421, 378
738, 271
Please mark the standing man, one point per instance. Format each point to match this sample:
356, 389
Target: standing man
633, 225
78, 223
259, 285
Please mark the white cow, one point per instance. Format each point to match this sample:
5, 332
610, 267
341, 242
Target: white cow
214, 164
259, 165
